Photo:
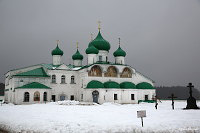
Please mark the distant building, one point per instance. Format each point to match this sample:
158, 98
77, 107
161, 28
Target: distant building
2, 87
99, 81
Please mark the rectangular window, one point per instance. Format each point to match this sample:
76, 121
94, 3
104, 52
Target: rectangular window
72, 97
81, 96
132, 97
146, 97
115, 96
63, 79
53, 79
100, 58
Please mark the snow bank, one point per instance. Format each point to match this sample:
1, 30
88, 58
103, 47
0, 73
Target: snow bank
68, 102
109, 117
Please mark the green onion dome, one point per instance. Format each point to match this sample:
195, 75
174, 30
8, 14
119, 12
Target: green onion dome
57, 51
95, 84
119, 52
77, 56
144, 85
100, 43
127, 85
111, 84
91, 50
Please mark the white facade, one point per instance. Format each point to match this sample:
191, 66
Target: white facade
74, 86
90, 83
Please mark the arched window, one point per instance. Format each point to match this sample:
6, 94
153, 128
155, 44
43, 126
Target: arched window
26, 97
95, 71
72, 80
63, 79
45, 96
127, 73
36, 96
53, 80
111, 72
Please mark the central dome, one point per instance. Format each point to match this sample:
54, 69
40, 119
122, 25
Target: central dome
100, 43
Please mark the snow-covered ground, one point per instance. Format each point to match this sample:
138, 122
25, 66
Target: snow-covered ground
70, 118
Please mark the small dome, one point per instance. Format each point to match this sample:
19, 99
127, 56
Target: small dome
119, 52
77, 56
127, 85
111, 84
91, 50
57, 51
100, 43
144, 85
95, 84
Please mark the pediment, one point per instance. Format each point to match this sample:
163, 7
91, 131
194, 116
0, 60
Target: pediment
63, 67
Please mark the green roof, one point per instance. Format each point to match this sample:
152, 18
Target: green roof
123, 85
100, 43
95, 84
144, 85
91, 50
119, 52
127, 85
33, 85
77, 56
57, 51
50, 66
111, 84
38, 72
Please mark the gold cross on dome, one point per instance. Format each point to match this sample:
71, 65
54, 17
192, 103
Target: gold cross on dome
77, 45
119, 41
99, 25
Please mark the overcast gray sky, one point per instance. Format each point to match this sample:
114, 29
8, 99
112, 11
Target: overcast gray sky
161, 37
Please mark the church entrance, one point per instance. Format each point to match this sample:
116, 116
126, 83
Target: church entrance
95, 95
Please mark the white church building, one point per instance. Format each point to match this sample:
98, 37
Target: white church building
99, 81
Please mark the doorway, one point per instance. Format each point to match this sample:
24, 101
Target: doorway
53, 98
95, 96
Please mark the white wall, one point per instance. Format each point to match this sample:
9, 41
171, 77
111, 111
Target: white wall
92, 58
119, 60
104, 54
77, 62
19, 95
123, 95
56, 59
67, 88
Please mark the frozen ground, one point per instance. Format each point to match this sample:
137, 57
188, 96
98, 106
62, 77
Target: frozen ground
70, 118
